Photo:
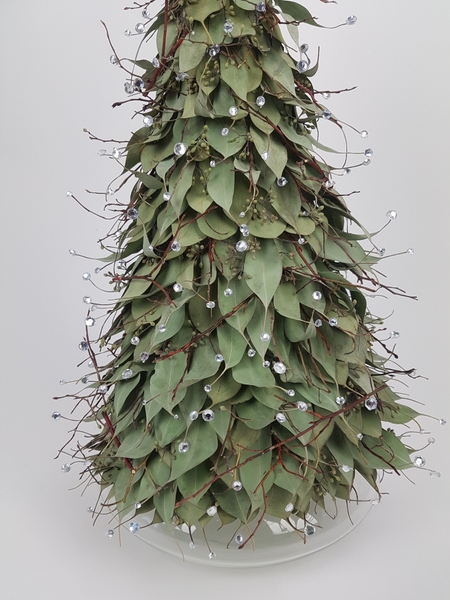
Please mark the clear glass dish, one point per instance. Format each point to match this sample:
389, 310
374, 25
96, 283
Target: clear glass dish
274, 542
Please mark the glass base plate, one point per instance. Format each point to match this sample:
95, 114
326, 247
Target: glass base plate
274, 542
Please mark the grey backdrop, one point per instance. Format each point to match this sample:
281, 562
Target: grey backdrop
56, 79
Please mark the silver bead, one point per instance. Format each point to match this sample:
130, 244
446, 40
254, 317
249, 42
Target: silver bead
156, 63
212, 164
266, 364
207, 388
114, 60
318, 323
56, 416
138, 84
72, 252
208, 415
326, 114
290, 393
410, 251
87, 299
214, 50
332, 322
166, 196
364, 133
304, 48
265, 155
239, 538
148, 120
134, 340
309, 529
102, 389
366, 162
212, 555
359, 436
65, 468
281, 181
261, 7
129, 87
89, 322
326, 95
218, 358
340, 400
110, 533
162, 328
368, 152
144, 356
127, 32
181, 76
137, 505
225, 131
442, 422
127, 374
132, 214
289, 507
302, 66
228, 292
346, 469
86, 276
183, 447
83, 346
180, 149
394, 335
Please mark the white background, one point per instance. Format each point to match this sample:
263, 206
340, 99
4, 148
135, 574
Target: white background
56, 79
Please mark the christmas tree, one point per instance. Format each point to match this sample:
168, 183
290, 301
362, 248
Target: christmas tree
243, 376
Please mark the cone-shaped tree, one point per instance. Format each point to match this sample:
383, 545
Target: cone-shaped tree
243, 375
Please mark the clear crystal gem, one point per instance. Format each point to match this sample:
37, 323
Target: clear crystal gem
132, 214
144, 356
329, 184
346, 469
265, 155
177, 287
89, 322
181, 76
435, 474
212, 555
146, 14
233, 111
133, 527
318, 322
228, 292
208, 415
162, 328
110, 533
251, 353
242, 214
129, 87
180, 149
261, 7
138, 84
214, 50
266, 364
309, 529
391, 214
244, 230
193, 415
65, 468
394, 335
86, 276
290, 393
302, 406
260, 101
225, 131
207, 388
280, 417
237, 486
211, 511
210, 304
137, 505
371, 403
127, 32
340, 400
431, 440
166, 196
332, 322
368, 152
114, 60
116, 153
183, 447
134, 340
326, 114
239, 538
192, 546
72, 252
156, 63
56, 416
212, 164
381, 251
351, 20
359, 436
366, 162
218, 358
302, 66
289, 507
301, 240
127, 374
364, 133
410, 251
241, 246
102, 389
83, 346
304, 48
419, 461
442, 422
325, 95
264, 337
148, 120
87, 299
279, 368
175, 246
317, 295
282, 181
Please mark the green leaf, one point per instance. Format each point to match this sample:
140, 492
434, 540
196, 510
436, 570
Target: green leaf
193, 49
216, 225
150, 182
179, 184
297, 12
136, 444
202, 364
123, 391
232, 345
226, 145
288, 475
277, 152
264, 270
165, 502
221, 185
200, 10
255, 415
244, 75
224, 389
278, 70
167, 376
286, 301
253, 473
237, 504
202, 440
383, 453
167, 429
192, 481
251, 372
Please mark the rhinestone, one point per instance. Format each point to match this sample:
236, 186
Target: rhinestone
89, 322
266, 364
394, 335
264, 337
102, 389
138, 84
326, 114
318, 322
83, 346
214, 50
290, 393
237, 486
242, 214
218, 358
326, 96
346, 469
110, 533
419, 461
181, 76
280, 417
156, 63
138, 505
192, 546
381, 251
129, 88
301, 240
368, 152
410, 251
289, 507
260, 101
212, 555
347, 171
207, 388
116, 153
62, 382
162, 328
329, 184
127, 374
225, 131
304, 48
176, 417
210, 304
265, 155
391, 214
279, 368
102, 152
366, 162
351, 20
302, 406
281, 181
86, 276
72, 252
133, 527
251, 353
435, 474
65, 468
333, 322
442, 422
211, 511
239, 538
309, 529
241, 246
148, 121
371, 403
302, 66
364, 133
261, 7
212, 164
69, 194
97, 270
177, 287
166, 196
134, 340
244, 230
84, 380
132, 214
179, 149
359, 436
208, 415
144, 356
431, 440
183, 447
228, 292
340, 400
127, 32
113, 60
175, 246
193, 415
87, 299
317, 295
233, 111
56, 416
146, 14
375, 501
